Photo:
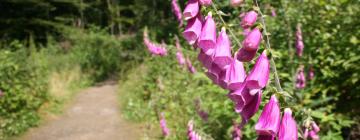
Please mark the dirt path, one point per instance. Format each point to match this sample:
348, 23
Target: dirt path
94, 115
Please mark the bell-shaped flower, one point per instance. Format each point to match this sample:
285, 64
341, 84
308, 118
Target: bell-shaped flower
299, 47
315, 127
249, 19
222, 54
269, 120
252, 40
244, 55
205, 2
250, 109
266, 137
313, 135
207, 39
241, 98
214, 73
163, 126
190, 127
259, 75
180, 57
288, 129
191, 10
234, 76
193, 30
206, 60
177, 11
191, 68
300, 79
235, 3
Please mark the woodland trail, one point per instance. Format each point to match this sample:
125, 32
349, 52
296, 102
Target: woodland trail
93, 115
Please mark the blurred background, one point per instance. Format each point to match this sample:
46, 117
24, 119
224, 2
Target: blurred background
50, 49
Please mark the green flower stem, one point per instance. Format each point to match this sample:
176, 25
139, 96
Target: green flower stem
268, 47
224, 23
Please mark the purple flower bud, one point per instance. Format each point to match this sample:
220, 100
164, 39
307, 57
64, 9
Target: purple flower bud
193, 30
177, 11
313, 135
190, 127
252, 40
250, 109
249, 19
299, 41
300, 79
163, 126
207, 39
191, 68
288, 129
269, 120
222, 54
241, 98
235, 75
177, 43
191, 9
259, 75
205, 2
315, 127
299, 47
235, 3
311, 74
273, 12
266, 137
244, 55
306, 133
180, 57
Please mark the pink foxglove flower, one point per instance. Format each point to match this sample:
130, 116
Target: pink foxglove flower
180, 58
235, 3
190, 128
311, 74
299, 47
250, 109
177, 11
214, 73
193, 30
206, 60
205, 2
300, 79
191, 68
207, 39
246, 31
252, 40
269, 120
235, 75
273, 12
191, 9
288, 129
249, 19
306, 133
241, 98
236, 134
259, 75
244, 55
313, 135
222, 54
299, 41
163, 126
266, 137
315, 127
